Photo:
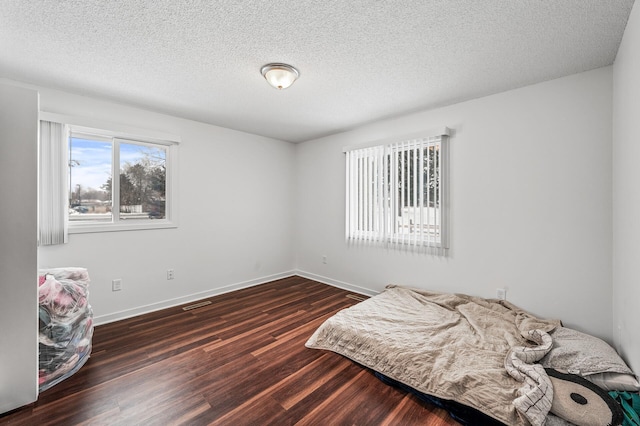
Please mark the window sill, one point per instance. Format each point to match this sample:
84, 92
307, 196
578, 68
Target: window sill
87, 228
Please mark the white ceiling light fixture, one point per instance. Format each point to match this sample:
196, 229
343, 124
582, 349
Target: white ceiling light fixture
279, 75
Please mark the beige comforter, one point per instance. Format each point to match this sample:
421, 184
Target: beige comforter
450, 346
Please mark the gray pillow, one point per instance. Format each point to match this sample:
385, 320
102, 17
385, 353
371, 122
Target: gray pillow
578, 353
615, 381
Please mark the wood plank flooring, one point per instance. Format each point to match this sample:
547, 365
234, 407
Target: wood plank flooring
239, 361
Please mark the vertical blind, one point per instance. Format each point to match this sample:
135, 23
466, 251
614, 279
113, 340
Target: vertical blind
53, 184
396, 194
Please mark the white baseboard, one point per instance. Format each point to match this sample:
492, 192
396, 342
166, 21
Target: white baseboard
128, 313
336, 283
140, 310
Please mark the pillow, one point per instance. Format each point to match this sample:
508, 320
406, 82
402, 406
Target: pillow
581, 402
615, 381
587, 356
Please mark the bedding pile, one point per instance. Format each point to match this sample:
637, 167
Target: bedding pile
66, 324
460, 352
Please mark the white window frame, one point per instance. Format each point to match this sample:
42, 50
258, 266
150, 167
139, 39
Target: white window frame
125, 134
373, 211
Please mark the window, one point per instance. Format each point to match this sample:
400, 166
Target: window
396, 194
117, 183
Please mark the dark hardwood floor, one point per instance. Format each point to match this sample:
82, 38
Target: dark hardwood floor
239, 361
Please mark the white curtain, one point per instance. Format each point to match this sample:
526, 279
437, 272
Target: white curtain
396, 195
53, 184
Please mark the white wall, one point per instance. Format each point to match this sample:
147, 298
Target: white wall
626, 193
235, 193
530, 203
18, 243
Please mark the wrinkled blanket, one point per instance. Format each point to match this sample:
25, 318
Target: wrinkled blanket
450, 346
536, 393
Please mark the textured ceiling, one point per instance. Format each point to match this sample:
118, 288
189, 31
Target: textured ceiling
360, 60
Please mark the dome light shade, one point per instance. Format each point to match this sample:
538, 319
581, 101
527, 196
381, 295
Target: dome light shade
280, 76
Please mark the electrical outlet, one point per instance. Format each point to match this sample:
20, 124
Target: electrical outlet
324, 259
116, 285
501, 293
170, 274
